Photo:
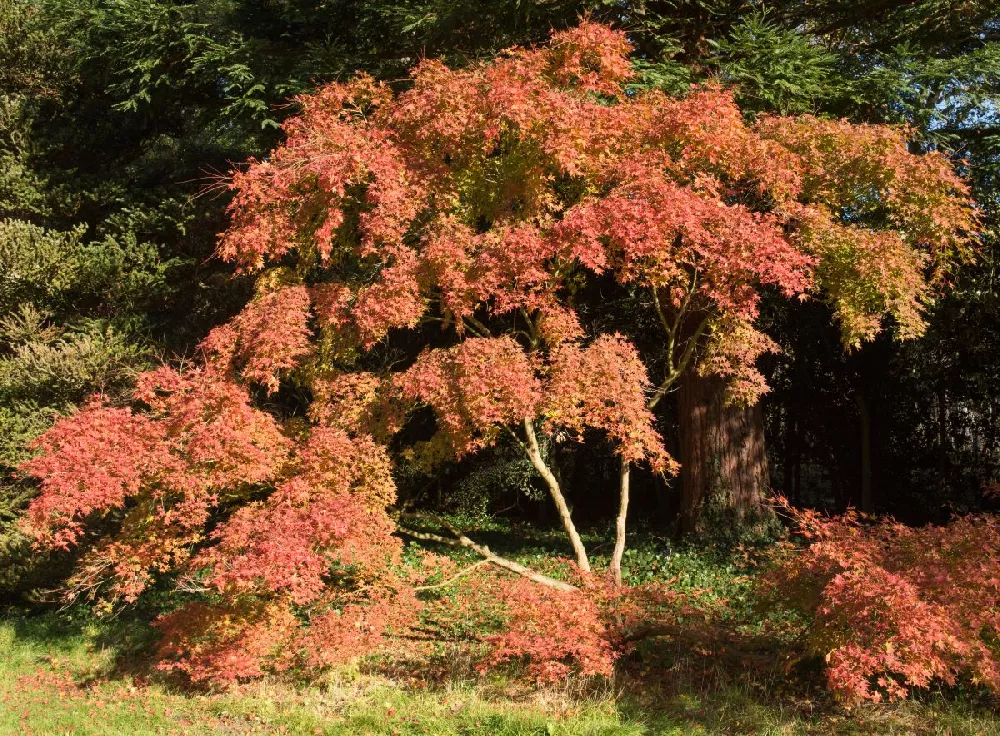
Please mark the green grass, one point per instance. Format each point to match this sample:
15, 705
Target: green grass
57, 677
72, 674
62, 675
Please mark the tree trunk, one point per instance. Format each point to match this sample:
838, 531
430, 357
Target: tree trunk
623, 493
791, 445
724, 473
942, 406
535, 455
867, 504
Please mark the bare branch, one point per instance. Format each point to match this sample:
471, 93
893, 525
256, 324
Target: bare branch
679, 369
460, 540
483, 329
453, 578
471, 327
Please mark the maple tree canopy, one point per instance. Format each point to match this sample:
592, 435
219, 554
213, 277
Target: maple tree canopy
486, 197
472, 211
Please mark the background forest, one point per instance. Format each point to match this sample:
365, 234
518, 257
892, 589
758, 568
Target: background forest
121, 120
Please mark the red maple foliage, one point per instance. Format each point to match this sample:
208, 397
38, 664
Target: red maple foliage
321, 545
895, 607
475, 388
603, 386
167, 469
553, 632
484, 196
89, 463
490, 203
269, 336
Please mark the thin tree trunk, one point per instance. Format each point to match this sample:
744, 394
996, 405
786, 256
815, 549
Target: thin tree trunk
724, 472
535, 455
788, 469
797, 492
942, 433
867, 504
623, 489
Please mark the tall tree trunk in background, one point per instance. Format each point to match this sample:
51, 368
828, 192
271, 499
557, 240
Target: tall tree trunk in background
942, 407
865, 415
790, 455
724, 473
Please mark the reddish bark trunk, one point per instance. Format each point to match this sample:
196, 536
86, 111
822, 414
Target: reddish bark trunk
724, 472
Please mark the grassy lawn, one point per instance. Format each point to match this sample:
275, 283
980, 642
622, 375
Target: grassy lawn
58, 676
69, 673
55, 678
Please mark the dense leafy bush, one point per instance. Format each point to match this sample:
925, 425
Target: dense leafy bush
893, 607
54, 352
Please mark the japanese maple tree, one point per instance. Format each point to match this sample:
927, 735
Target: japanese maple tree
484, 199
468, 214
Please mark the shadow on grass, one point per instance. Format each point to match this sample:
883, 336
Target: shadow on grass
121, 646
664, 686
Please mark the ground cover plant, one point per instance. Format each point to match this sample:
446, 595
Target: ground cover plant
71, 670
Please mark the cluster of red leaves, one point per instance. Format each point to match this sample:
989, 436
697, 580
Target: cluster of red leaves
602, 386
475, 388
657, 231
482, 385
327, 514
554, 633
228, 642
551, 634
896, 607
88, 463
245, 638
270, 335
357, 402
317, 555
202, 438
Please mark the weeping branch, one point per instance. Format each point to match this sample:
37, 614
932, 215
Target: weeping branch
461, 540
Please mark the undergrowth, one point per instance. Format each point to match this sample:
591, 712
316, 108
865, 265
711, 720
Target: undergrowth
68, 672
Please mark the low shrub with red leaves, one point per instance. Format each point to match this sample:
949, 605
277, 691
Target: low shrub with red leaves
552, 632
893, 607
546, 633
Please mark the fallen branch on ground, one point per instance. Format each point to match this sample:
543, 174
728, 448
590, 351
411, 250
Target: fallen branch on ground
461, 540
